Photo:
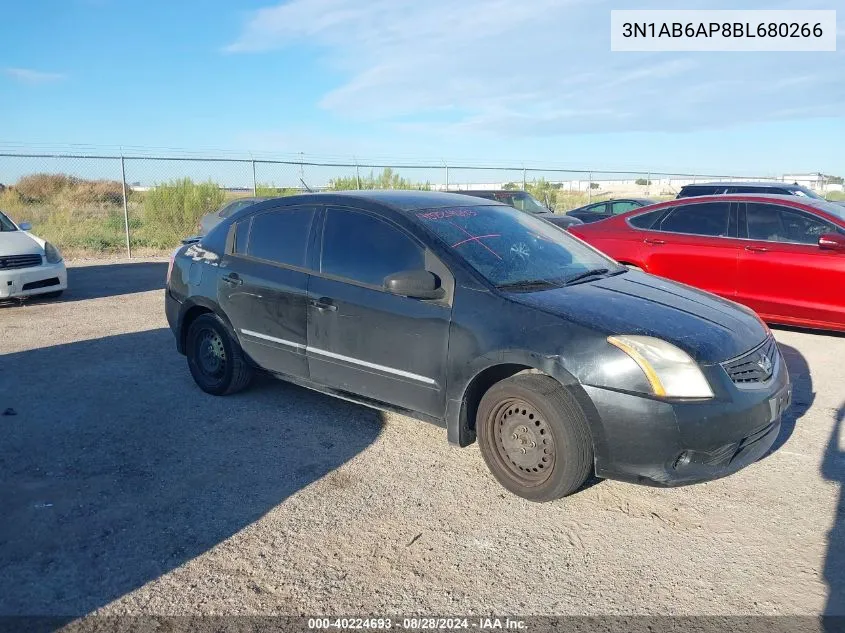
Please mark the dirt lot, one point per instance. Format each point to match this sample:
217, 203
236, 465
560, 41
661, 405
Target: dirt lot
125, 489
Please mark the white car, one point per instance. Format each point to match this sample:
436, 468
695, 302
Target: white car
28, 265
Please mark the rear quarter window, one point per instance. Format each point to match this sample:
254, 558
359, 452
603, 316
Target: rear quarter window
646, 220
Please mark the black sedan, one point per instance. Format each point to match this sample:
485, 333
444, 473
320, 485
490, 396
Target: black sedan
486, 321
608, 208
524, 201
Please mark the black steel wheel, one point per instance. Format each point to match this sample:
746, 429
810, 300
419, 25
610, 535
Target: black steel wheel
215, 359
534, 437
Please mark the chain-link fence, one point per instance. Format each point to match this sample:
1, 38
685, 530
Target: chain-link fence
145, 203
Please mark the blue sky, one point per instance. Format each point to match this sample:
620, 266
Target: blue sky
491, 80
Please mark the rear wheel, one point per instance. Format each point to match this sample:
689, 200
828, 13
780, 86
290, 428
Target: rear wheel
215, 359
534, 437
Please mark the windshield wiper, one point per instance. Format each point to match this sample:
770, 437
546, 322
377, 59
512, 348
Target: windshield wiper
531, 284
593, 272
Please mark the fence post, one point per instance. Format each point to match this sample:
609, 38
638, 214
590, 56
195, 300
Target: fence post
357, 176
125, 207
254, 182
447, 175
590, 188
524, 188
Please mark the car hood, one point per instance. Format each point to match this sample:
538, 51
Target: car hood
708, 328
18, 243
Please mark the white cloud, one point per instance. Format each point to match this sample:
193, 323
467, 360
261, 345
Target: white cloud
29, 76
536, 67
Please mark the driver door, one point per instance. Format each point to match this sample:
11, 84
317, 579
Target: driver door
365, 340
782, 270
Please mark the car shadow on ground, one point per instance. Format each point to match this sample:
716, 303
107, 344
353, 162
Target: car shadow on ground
802, 394
833, 469
108, 280
116, 468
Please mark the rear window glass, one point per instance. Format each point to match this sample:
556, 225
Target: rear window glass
699, 190
281, 236
646, 220
707, 218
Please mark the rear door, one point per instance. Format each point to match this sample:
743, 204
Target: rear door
695, 243
782, 271
364, 340
263, 286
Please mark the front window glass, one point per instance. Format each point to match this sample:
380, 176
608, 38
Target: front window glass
366, 249
774, 223
6, 224
515, 250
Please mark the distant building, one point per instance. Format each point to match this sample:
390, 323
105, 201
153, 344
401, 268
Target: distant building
811, 181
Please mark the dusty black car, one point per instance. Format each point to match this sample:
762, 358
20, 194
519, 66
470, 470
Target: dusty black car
486, 321
607, 209
525, 202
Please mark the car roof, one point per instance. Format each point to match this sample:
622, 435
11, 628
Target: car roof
397, 199
742, 183
478, 192
826, 206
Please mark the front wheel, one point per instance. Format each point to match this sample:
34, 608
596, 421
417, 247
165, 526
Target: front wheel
215, 359
534, 437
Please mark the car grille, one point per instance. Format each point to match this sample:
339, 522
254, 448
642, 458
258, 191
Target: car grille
19, 261
44, 283
756, 366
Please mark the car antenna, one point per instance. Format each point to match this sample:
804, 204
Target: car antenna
307, 188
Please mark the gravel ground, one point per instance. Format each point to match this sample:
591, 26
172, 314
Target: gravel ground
126, 490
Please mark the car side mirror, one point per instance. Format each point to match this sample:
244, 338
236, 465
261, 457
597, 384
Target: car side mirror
832, 242
25, 226
417, 284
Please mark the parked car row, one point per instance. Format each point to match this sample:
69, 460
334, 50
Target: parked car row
488, 321
781, 255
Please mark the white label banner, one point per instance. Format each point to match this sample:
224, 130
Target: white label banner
724, 30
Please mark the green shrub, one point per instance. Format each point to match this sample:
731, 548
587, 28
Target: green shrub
271, 191
387, 179
642, 181
174, 208
42, 187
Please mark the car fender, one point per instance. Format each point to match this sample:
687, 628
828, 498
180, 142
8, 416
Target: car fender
199, 301
459, 425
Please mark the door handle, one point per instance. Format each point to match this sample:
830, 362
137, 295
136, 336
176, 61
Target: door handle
233, 279
653, 241
324, 304
757, 249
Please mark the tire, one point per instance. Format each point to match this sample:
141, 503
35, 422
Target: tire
53, 295
534, 437
215, 359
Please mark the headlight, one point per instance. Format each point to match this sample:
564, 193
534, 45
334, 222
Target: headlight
52, 253
670, 371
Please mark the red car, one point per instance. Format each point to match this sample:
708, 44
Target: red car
782, 256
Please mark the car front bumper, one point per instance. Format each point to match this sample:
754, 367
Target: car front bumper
650, 441
25, 282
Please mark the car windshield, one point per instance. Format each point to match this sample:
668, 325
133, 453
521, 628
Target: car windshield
516, 251
6, 224
798, 190
519, 200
